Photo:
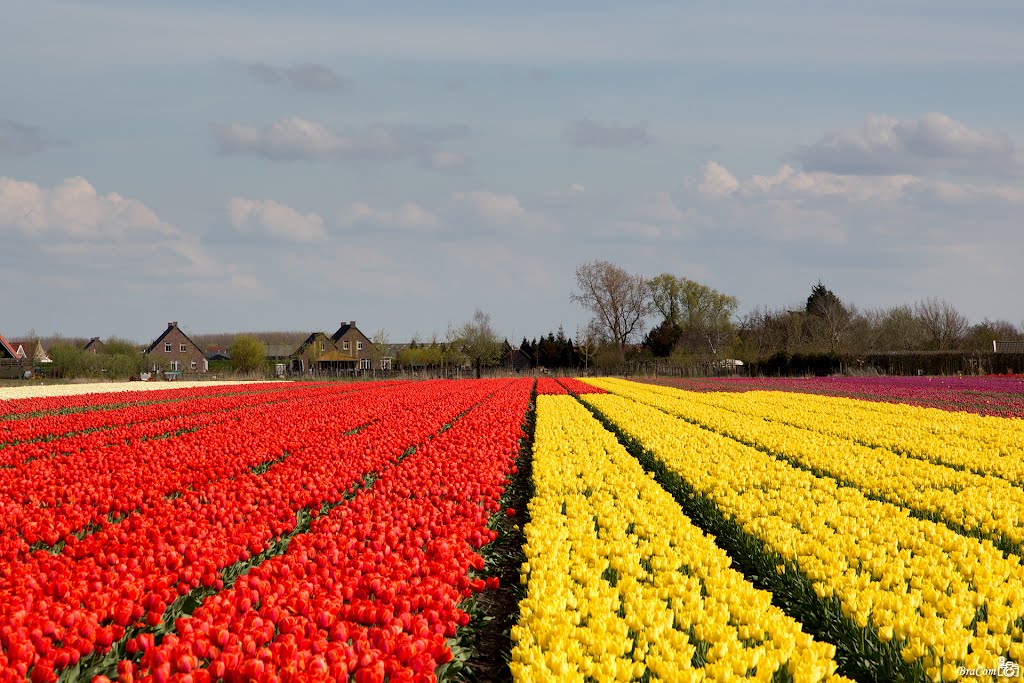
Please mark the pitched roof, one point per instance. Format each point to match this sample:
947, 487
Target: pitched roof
343, 330
171, 326
280, 350
33, 348
6, 350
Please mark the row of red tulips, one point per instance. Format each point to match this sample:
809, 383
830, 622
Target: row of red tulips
18, 408
49, 427
46, 501
373, 590
565, 385
55, 609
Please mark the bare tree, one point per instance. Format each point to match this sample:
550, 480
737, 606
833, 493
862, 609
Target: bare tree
894, 329
944, 326
618, 300
587, 343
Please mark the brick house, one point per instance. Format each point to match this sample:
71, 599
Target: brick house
310, 353
94, 345
354, 346
173, 351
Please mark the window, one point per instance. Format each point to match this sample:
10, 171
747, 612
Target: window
195, 365
183, 349
344, 346
167, 347
323, 346
385, 363
359, 345
175, 366
364, 364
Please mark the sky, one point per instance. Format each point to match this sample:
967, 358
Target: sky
286, 166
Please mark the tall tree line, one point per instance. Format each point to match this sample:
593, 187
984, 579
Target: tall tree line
693, 320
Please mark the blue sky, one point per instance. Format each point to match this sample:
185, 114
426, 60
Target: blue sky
255, 166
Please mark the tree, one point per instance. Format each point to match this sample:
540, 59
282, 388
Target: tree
828, 318
587, 342
548, 353
661, 340
666, 293
981, 335
248, 354
479, 341
701, 314
944, 327
115, 346
379, 349
618, 300
894, 329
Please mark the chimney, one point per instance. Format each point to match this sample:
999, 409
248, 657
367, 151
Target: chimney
352, 323
174, 324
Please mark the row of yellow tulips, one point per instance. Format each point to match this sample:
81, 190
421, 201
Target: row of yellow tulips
620, 584
982, 444
987, 506
941, 598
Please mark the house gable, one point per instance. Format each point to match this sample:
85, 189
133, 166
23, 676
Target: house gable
94, 345
6, 350
349, 340
176, 347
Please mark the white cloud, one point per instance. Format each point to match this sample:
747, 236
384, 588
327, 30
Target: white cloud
787, 183
503, 211
408, 216
93, 238
74, 209
497, 208
265, 216
287, 139
932, 143
296, 138
715, 181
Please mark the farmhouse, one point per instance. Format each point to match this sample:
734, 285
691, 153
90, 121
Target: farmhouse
308, 356
173, 351
31, 351
516, 360
94, 345
352, 347
10, 364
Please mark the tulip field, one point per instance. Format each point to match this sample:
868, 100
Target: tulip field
685, 530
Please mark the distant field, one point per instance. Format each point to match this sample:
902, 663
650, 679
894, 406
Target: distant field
22, 389
1001, 395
